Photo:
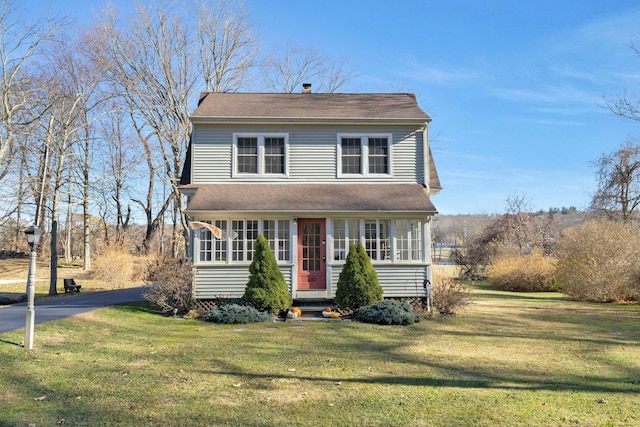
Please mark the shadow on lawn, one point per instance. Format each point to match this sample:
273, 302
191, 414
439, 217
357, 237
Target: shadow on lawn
474, 379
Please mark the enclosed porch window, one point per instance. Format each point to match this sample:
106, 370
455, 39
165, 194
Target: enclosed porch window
385, 240
237, 241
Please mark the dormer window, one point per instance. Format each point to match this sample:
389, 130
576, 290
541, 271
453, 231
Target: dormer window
260, 154
364, 154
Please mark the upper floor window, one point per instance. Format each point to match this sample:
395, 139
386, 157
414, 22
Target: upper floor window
364, 154
379, 155
260, 154
351, 155
274, 155
247, 155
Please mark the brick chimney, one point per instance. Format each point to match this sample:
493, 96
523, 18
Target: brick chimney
306, 87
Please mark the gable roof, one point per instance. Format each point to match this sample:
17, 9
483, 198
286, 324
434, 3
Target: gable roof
309, 107
311, 198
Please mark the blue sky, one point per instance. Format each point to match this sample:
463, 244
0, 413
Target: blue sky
515, 88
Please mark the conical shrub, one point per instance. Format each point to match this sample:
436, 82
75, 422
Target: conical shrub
358, 282
267, 288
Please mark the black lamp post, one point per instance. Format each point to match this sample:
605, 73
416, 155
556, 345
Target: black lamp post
33, 234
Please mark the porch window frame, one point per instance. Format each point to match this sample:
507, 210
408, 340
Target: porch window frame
211, 251
412, 236
415, 243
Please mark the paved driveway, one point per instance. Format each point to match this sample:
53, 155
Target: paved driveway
14, 316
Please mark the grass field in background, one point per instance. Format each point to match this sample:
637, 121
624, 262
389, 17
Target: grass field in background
14, 272
507, 360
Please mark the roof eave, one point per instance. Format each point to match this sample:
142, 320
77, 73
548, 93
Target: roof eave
309, 120
309, 212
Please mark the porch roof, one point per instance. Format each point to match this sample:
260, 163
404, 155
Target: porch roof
311, 198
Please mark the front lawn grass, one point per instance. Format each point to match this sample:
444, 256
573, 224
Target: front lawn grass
507, 360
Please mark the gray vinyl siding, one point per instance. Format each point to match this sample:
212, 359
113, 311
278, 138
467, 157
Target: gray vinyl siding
229, 281
312, 154
396, 280
226, 281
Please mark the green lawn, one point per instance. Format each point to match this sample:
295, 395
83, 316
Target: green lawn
507, 360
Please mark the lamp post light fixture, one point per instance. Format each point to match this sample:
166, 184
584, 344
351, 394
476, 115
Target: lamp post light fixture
33, 234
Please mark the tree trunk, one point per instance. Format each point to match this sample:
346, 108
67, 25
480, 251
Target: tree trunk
86, 231
53, 280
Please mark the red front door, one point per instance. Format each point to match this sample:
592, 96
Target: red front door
311, 254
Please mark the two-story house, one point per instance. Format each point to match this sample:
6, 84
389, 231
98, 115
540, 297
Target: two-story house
312, 173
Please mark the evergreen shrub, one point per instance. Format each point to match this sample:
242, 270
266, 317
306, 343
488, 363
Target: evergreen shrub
267, 289
358, 282
236, 313
388, 312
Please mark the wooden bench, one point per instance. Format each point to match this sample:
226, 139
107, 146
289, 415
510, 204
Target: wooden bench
71, 287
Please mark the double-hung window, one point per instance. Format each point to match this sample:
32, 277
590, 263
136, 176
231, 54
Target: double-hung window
364, 154
351, 155
260, 154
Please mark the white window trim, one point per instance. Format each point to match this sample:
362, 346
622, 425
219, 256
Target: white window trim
228, 255
364, 155
393, 241
261, 154
409, 234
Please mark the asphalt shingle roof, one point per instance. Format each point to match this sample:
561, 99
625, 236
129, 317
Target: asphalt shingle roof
370, 107
397, 198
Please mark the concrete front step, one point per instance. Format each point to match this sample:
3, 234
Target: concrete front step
312, 310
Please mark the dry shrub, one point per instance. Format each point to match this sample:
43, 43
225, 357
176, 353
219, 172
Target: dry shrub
599, 261
533, 272
170, 285
114, 267
450, 295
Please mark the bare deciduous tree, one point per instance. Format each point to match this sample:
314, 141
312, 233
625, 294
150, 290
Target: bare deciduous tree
152, 68
70, 98
627, 104
120, 158
226, 45
19, 44
149, 66
295, 65
525, 229
618, 176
